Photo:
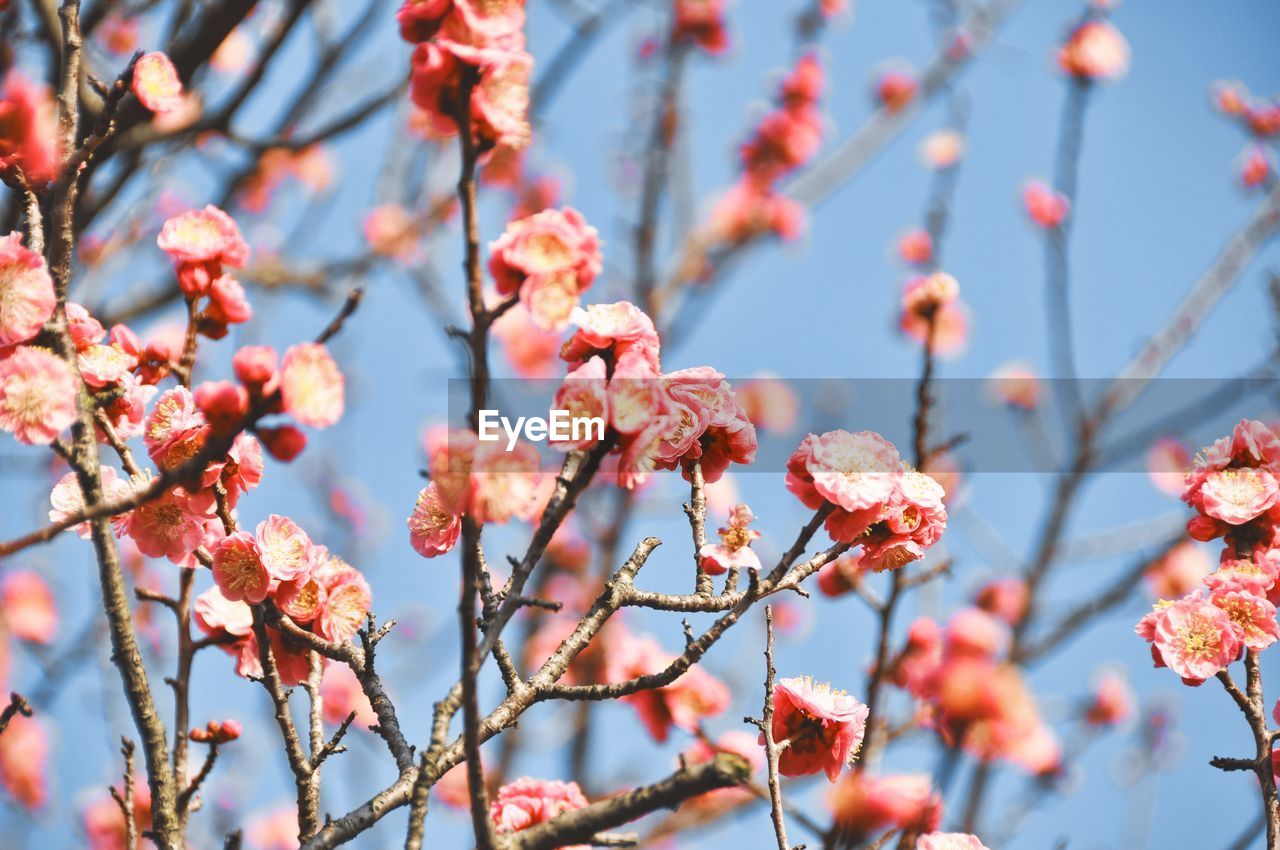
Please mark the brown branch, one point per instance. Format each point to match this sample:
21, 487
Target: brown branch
17, 705
772, 750
124, 797
724, 771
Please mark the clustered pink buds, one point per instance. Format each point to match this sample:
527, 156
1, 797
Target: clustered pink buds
895, 88
474, 45
701, 23
785, 139
875, 499
823, 727
216, 732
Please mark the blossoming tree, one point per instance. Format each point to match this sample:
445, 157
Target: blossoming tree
155, 448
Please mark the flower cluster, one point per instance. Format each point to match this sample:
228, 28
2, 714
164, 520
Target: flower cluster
969, 695
550, 259
786, 138
315, 589
528, 802
823, 727
878, 502
475, 47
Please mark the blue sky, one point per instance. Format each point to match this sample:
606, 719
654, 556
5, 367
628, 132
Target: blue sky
1157, 200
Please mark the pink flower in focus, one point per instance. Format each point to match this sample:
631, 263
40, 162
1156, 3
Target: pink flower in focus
1095, 51
204, 236
433, 529
1192, 636
346, 606
584, 396
27, 607
1252, 615
216, 614
853, 470
552, 249
166, 527
67, 500
238, 568
1236, 496
156, 83
37, 395
825, 727
286, 550
1044, 206
528, 802
621, 327
311, 387
26, 292
734, 549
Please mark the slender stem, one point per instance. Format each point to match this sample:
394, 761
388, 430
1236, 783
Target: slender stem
771, 748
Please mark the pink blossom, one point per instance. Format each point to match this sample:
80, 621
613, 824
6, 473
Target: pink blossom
24, 757
1192, 636
311, 386
228, 304
949, 841
342, 695
104, 365
67, 499
621, 327
1255, 167
26, 292
942, 149
238, 568
770, 403
825, 727
37, 395
584, 395
528, 802
1252, 615
104, 825
916, 247
1111, 702
1006, 598
734, 549
85, 329
419, 20
1096, 51
433, 529
531, 351
895, 89
216, 614
156, 83
1044, 206
28, 129
302, 599
504, 483
392, 231
1256, 577
204, 236
737, 742
1167, 463
1178, 571
1016, 385
684, 703
256, 366
27, 607
553, 250
166, 527
346, 607
286, 550
1237, 496
862, 803
851, 470
973, 633
838, 577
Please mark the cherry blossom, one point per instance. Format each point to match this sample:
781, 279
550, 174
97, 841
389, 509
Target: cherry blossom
734, 549
311, 386
27, 607
37, 395
26, 292
824, 727
528, 802
156, 83
1095, 51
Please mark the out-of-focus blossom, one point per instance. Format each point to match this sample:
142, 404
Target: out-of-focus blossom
739, 743
104, 825
1005, 598
684, 703
528, 802
1112, 701
27, 608
895, 88
932, 312
701, 22
916, 247
156, 83
1167, 463
1095, 50
1044, 206
1178, 571
343, 695
1255, 167
863, 804
311, 386
37, 395
942, 149
26, 291
28, 130
531, 351
24, 756
392, 231
949, 841
1016, 385
770, 403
